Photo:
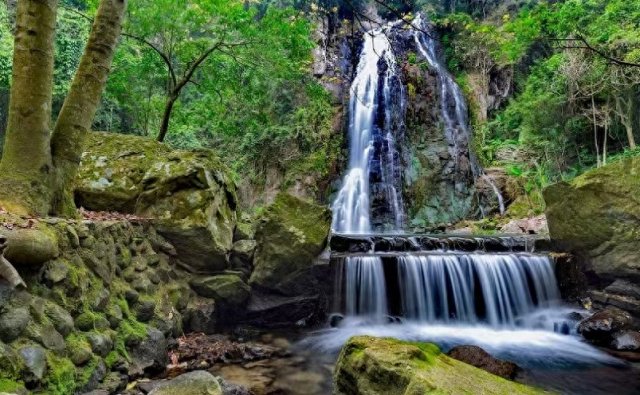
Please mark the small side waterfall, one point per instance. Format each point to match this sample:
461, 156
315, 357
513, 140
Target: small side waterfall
366, 293
453, 107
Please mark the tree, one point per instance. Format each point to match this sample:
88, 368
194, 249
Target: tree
38, 165
185, 34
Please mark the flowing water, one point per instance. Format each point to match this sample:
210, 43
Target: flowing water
506, 303
372, 152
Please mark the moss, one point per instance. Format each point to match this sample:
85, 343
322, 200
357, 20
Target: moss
373, 365
89, 320
61, 375
84, 375
10, 386
112, 358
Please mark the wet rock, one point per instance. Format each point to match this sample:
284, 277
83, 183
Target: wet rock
47, 336
370, 365
233, 389
624, 288
12, 323
193, 383
35, 361
114, 315
101, 300
291, 234
626, 341
476, 356
150, 355
113, 382
100, 344
228, 290
602, 326
273, 311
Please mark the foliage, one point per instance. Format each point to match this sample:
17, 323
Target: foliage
572, 107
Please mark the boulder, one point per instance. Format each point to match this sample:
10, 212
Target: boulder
227, 289
35, 361
150, 354
476, 356
188, 195
627, 341
193, 383
290, 235
30, 247
200, 316
13, 322
596, 216
602, 326
370, 365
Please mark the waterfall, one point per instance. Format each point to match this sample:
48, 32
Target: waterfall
372, 152
474, 288
453, 106
366, 293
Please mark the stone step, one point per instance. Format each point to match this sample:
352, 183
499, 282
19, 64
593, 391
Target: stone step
341, 244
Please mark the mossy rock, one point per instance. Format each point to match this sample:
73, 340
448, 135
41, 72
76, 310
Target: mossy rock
31, 247
112, 168
597, 217
193, 383
291, 234
369, 365
227, 289
189, 195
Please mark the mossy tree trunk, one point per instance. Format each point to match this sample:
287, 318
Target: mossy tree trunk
38, 167
26, 166
81, 104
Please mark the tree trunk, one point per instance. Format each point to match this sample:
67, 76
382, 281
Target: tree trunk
26, 162
81, 104
630, 137
168, 109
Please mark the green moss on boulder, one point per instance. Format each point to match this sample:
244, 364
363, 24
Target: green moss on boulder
189, 194
227, 289
370, 366
290, 235
597, 217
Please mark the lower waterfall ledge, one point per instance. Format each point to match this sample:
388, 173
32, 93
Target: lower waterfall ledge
370, 365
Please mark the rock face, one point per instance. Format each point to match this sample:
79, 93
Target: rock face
597, 217
387, 366
290, 236
189, 195
476, 356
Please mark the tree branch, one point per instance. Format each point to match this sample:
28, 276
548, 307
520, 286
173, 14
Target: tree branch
586, 45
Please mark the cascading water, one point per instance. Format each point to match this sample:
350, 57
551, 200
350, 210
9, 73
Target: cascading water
493, 288
372, 153
453, 106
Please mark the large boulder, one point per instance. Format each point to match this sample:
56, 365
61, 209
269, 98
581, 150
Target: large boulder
597, 217
370, 365
291, 234
476, 356
188, 194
